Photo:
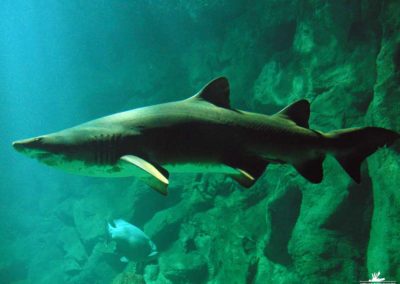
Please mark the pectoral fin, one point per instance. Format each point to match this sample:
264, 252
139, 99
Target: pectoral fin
153, 175
154, 253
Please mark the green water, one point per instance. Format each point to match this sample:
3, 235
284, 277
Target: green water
66, 62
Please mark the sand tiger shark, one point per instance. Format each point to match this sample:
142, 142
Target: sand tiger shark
203, 134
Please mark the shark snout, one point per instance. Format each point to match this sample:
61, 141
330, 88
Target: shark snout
31, 143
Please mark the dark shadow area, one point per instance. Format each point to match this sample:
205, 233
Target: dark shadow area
357, 31
362, 101
167, 236
253, 196
396, 58
352, 218
280, 37
190, 245
14, 272
352, 221
252, 270
284, 212
150, 202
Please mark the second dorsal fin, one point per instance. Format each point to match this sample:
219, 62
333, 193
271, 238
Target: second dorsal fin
298, 112
215, 92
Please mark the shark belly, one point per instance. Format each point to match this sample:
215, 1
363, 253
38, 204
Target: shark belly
116, 170
121, 169
199, 168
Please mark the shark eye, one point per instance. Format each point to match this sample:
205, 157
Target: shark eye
37, 139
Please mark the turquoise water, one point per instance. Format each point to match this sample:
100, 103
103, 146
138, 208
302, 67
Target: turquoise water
67, 62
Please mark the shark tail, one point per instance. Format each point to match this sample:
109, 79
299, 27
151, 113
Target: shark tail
351, 146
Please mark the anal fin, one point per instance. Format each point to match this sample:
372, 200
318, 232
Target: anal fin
311, 170
153, 175
352, 165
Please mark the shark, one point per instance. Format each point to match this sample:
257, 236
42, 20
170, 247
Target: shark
204, 134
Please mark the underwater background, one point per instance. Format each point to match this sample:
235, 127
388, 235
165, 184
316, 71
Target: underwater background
65, 62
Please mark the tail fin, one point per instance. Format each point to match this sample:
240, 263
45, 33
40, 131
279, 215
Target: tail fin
351, 146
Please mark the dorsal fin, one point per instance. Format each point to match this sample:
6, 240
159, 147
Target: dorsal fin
299, 112
216, 92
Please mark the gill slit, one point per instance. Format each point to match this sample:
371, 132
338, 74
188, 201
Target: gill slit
106, 148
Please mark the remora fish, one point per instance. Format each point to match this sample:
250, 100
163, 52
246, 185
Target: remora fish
203, 134
131, 242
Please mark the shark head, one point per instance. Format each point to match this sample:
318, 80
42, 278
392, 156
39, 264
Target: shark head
88, 149
56, 149
31, 147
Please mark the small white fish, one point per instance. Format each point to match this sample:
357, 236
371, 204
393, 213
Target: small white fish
131, 242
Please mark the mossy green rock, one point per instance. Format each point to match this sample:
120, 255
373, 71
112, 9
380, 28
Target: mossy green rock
185, 268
